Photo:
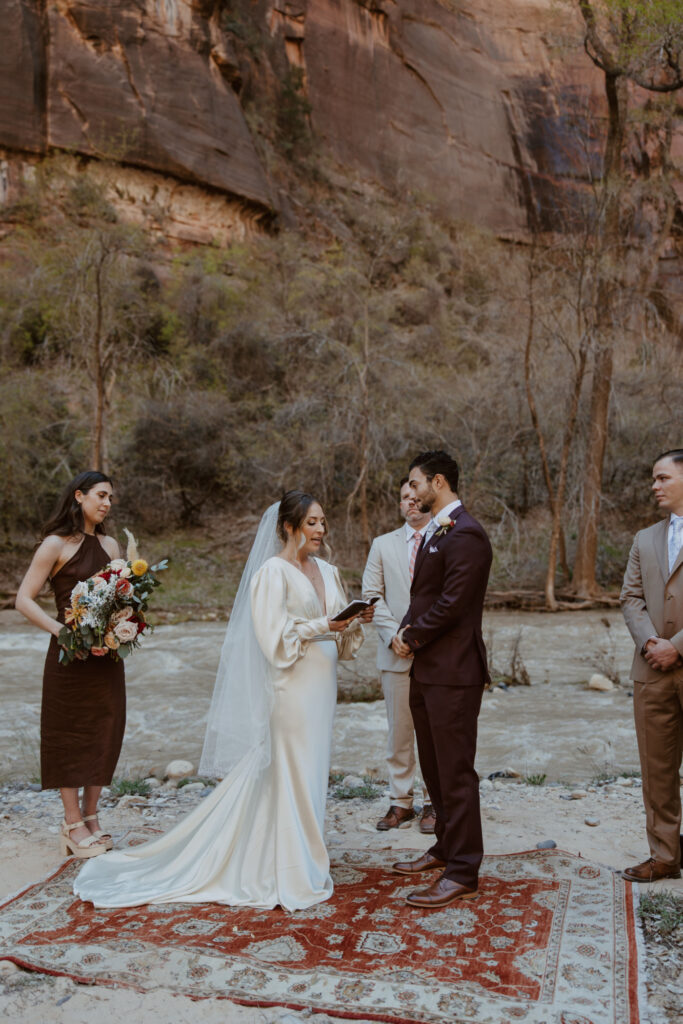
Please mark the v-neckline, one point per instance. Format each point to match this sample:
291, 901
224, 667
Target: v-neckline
300, 572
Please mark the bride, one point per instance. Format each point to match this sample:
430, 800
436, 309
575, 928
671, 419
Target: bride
257, 839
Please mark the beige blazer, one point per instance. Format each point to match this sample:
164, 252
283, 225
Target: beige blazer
386, 576
652, 597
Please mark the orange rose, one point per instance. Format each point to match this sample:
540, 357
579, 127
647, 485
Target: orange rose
123, 588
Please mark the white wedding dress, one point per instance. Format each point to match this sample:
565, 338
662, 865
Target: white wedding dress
257, 839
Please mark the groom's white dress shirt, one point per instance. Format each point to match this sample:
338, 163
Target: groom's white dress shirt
433, 525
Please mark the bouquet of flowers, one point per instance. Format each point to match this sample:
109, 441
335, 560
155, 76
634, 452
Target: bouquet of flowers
107, 613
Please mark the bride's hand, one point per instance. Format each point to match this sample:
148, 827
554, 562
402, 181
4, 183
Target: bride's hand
338, 626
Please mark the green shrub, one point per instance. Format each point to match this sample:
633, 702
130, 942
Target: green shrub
130, 787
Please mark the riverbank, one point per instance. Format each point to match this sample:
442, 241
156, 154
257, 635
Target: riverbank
581, 740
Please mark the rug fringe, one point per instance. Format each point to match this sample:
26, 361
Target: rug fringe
641, 951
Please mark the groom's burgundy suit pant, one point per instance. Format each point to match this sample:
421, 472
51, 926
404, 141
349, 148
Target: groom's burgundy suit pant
445, 720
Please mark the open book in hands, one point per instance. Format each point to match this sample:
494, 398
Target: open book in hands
353, 609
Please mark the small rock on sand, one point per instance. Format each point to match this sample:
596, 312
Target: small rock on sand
600, 682
179, 769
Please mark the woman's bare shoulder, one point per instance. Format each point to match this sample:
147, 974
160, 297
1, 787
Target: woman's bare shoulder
110, 545
52, 546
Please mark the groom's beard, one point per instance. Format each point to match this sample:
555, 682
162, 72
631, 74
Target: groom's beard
431, 498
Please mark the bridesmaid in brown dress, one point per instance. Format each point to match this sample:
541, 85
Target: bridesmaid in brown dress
83, 711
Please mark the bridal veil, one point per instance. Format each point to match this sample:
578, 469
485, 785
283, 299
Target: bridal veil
239, 716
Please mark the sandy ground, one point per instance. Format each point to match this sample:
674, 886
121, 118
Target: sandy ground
555, 727
516, 816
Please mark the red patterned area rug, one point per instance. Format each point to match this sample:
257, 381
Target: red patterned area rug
551, 939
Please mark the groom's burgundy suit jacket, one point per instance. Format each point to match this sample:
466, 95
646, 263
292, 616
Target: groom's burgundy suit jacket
443, 621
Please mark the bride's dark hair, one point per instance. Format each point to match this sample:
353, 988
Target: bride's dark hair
67, 516
294, 506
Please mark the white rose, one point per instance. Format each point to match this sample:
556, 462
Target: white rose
444, 520
117, 564
126, 631
98, 583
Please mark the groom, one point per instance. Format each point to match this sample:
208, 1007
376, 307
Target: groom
442, 630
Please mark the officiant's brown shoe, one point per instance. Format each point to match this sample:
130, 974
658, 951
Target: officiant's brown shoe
427, 820
439, 894
413, 867
650, 871
396, 817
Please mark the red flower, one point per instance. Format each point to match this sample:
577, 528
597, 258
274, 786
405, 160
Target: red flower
141, 625
123, 588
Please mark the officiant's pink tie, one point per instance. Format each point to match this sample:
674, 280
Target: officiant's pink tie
417, 540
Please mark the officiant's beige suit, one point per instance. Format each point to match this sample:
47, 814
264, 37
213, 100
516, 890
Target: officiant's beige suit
387, 577
652, 603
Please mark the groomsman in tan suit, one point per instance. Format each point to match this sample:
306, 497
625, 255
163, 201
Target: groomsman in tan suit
387, 575
652, 603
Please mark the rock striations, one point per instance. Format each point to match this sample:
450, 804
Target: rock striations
131, 81
475, 103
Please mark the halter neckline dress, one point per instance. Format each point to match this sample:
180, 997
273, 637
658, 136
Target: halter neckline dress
83, 712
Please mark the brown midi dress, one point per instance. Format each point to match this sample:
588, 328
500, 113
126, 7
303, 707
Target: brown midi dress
83, 713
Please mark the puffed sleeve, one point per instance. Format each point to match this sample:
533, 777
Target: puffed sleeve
280, 633
351, 639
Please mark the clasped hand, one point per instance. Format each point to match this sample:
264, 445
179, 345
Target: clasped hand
339, 626
661, 654
399, 647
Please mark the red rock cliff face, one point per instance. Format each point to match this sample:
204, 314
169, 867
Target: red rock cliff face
147, 83
470, 101
461, 99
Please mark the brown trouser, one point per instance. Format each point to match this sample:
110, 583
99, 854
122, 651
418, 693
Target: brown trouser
658, 710
446, 728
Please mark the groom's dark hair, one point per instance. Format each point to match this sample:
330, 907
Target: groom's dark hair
676, 455
435, 462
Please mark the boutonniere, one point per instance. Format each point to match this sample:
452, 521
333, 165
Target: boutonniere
445, 524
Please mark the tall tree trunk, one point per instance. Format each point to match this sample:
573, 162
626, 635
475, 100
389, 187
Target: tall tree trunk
554, 499
361, 486
609, 255
556, 535
98, 453
585, 582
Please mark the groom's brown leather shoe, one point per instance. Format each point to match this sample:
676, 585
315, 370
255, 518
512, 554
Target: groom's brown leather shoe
650, 871
440, 894
413, 867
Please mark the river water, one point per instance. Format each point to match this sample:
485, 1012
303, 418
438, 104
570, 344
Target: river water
555, 727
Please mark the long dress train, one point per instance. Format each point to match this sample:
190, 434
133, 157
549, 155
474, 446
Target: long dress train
257, 839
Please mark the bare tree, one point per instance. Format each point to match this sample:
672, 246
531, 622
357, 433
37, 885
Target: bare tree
556, 489
637, 42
